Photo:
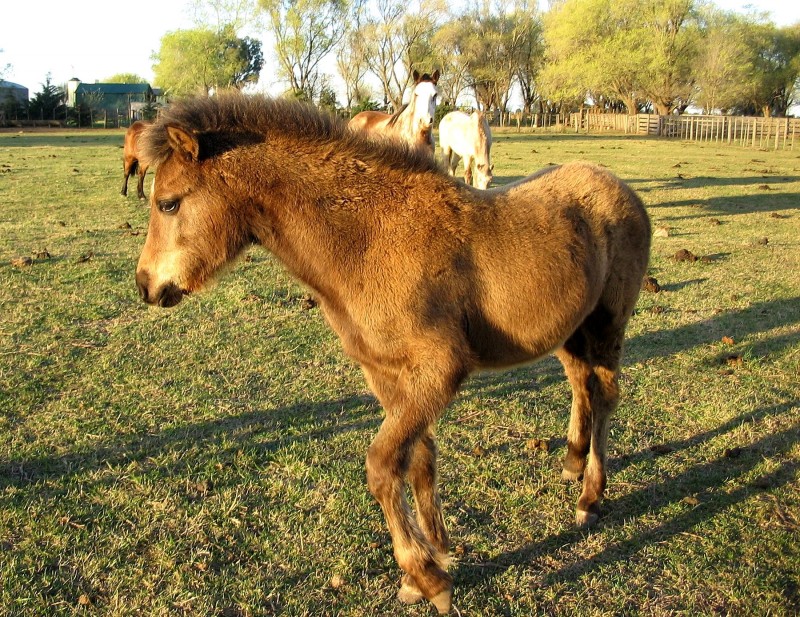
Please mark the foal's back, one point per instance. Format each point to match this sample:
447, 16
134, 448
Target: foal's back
571, 238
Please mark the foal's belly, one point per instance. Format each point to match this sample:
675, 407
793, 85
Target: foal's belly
498, 348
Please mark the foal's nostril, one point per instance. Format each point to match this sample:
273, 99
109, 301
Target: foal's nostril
142, 280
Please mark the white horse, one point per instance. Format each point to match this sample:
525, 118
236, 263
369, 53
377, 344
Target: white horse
468, 137
414, 122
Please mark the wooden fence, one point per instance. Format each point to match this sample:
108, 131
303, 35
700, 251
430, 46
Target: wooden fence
746, 131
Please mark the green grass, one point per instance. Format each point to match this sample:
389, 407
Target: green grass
208, 460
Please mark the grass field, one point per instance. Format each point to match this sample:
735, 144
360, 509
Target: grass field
208, 460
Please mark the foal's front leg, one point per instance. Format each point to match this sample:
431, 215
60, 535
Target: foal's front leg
424, 485
403, 445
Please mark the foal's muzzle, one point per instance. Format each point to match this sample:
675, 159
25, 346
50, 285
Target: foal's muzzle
165, 296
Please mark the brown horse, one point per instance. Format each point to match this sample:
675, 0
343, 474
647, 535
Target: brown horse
413, 123
424, 279
130, 158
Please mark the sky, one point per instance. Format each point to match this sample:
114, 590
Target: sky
92, 42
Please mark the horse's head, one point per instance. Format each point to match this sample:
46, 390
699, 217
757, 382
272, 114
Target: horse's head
483, 168
193, 231
483, 174
423, 99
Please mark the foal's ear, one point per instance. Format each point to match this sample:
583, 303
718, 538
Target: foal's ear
435, 77
183, 143
415, 76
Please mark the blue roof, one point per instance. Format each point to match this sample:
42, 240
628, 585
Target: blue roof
11, 84
113, 88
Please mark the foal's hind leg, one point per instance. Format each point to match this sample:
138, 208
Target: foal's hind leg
574, 357
126, 174
140, 185
424, 485
591, 359
606, 350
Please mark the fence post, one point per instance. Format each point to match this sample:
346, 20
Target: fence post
785, 133
777, 133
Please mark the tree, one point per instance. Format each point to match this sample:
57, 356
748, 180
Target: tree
48, 102
398, 40
384, 49
491, 47
251, 61
351, 63
770, 87
125, 78
92, 102
4, 68
222, 14
623, 50
671, 34
530, 59
202, 59
327, 99
305, 32
455, 75
724, 61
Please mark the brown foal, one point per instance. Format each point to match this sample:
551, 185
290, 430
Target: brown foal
424, 279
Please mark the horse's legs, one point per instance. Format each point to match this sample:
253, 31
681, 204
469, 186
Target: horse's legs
450, 160
413, 400
126, 169
423, 479
140, 186
468, 169
574, 357
591, 359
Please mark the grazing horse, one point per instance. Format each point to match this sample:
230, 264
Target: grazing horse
130, 158
414, 122
468, 137
423, 278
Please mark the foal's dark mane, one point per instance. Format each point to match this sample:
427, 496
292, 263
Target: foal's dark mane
228, 120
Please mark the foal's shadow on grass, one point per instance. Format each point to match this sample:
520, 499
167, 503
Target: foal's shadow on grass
702, 481
321, 420
758, 317
682, 285
761, 199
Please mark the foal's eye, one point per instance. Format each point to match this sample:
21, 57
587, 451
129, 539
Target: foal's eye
168, 206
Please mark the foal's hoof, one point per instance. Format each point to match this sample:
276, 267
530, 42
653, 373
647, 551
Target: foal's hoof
584, 518
443, 601
570, 476
409, 592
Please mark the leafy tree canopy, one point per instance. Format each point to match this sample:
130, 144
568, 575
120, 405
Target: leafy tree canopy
125, 78
202, 59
